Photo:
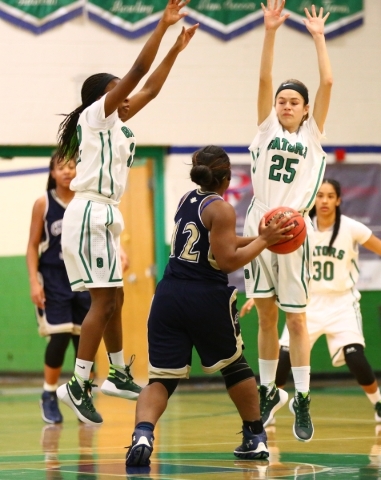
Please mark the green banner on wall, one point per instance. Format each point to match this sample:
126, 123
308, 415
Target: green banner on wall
131, 18
40, 15
225, 18
344, 15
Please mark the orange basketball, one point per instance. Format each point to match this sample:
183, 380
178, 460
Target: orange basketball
299, 231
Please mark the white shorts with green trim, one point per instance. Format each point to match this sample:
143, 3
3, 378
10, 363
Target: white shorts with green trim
91, 244
336, 315
287, 276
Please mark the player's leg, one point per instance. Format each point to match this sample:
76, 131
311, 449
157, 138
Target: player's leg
119, 382
170, 353
271, 397
242, 389
54, 358
77, 393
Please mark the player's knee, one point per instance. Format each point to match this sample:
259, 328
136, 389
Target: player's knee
170, 384
296, 324
236, 372
358, 364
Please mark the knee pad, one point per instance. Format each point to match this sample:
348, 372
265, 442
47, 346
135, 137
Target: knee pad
170, 384
236, 372
56, 349
358, 364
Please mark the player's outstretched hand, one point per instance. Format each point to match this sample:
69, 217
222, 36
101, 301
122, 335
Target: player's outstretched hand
247, 306
275, 230
315, 23
172, 13
272, 14
185, 37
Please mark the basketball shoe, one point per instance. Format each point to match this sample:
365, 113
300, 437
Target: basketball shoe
300, 406
50, 411
253, 446
120, 382
80, 400
270, 402
140, 450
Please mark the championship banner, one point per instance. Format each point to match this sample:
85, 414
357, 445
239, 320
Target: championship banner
345, 15
130, 18
40, 15
225, 19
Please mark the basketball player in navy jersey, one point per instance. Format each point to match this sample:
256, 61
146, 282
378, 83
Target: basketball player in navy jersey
60, 311
194, 306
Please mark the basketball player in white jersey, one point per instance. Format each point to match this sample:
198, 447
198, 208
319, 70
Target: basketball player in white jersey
288, 165
334, 309
92, 223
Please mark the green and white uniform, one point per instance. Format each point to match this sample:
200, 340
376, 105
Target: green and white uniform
92, 222
334, 308
287, 170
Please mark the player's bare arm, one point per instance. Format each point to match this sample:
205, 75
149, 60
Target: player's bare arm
32, 255
155, 81
142, 64
273, 19
220, 219
315, 25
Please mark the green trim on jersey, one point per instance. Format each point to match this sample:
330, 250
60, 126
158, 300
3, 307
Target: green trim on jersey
321, 172
303, 273
102, 163
81, 241
76, 281
109, 221
112, 273
293, 306
109, 169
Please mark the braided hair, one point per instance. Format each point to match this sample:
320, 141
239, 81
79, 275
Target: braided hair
211, 165
336, 226
92, 88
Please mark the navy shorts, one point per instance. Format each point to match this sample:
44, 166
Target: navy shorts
186, 314
64, 310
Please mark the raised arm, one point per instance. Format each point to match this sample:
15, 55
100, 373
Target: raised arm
315, 25
156, 80
32, 254
273, 19
144, 61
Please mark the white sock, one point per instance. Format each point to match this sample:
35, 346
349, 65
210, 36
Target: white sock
301, 378
82, 370
50, 388
267, 372
117, 359
374, 397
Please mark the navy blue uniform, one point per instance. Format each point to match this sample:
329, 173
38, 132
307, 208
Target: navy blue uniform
64, 309
193, 304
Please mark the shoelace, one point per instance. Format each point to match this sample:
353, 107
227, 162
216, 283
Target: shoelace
302, 412
263, 396
87, 395
127, 369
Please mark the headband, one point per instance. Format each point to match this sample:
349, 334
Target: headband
294, 86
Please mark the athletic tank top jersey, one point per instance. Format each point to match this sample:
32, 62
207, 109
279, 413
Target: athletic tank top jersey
50, 245
191, 257
106, 152
287, 168
337, 270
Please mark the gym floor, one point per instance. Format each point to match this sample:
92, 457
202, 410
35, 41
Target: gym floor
194, 439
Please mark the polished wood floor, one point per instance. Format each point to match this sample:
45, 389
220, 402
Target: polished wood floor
194, 440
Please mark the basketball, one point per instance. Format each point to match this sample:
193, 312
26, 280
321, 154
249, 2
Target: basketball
299, 231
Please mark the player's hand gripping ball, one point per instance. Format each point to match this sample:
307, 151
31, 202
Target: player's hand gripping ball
299, 231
